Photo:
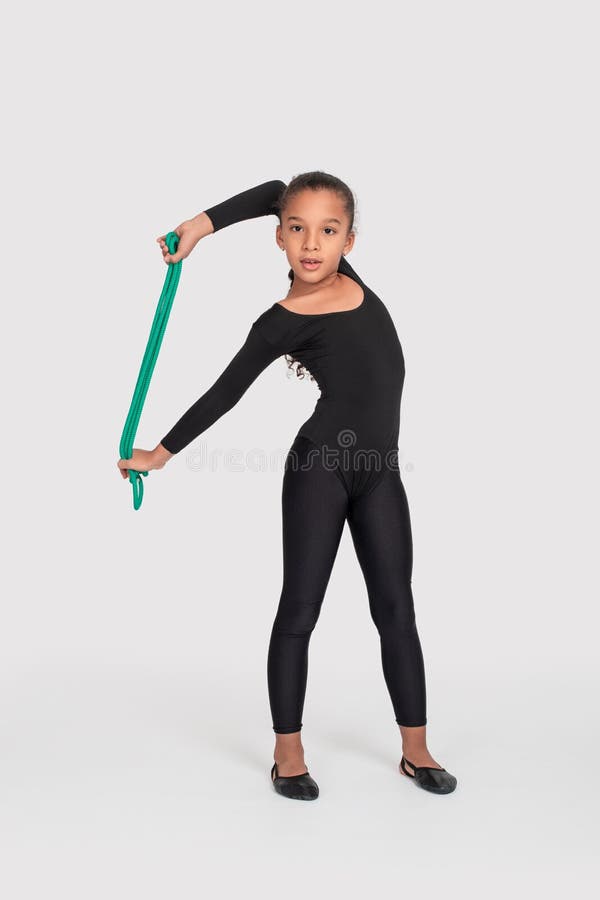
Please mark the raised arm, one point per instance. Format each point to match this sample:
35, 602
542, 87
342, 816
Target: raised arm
257, 201
255, 355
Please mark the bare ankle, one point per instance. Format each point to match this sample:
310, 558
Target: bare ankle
288, 748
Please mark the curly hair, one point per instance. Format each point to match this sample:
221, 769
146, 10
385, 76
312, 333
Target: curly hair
316, 180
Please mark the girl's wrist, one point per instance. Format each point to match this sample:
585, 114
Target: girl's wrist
203, 224
160, 455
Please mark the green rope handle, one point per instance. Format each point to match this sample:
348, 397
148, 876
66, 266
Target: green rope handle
157, 331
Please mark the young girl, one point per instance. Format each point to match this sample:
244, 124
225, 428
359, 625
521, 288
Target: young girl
343, 463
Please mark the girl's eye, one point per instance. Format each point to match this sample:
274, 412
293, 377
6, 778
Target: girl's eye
327, 228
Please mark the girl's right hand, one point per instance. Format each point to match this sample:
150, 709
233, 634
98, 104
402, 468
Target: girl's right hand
144, 460
189, 233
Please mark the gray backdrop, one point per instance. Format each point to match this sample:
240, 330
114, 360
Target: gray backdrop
135, 734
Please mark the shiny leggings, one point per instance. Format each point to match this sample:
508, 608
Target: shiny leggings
315, 505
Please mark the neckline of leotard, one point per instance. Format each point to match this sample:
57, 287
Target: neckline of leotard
333, 312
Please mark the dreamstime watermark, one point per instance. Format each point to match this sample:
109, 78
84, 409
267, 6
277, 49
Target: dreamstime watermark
302, 455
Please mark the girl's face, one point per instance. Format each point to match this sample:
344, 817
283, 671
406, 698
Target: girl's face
314, 226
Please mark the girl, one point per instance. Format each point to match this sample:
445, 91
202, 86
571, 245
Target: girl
342, 465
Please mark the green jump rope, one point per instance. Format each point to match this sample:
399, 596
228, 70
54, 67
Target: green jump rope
157, 331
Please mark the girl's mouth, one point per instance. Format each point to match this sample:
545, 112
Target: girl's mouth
311, 264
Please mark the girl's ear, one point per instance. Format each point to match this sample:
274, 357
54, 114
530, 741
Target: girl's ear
349, 242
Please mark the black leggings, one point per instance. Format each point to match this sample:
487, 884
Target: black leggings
315, 505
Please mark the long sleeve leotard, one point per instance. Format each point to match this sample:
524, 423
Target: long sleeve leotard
354, 355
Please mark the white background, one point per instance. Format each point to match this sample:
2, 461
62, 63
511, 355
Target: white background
135, 734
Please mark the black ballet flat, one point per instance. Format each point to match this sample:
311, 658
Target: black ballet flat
295, 787
438, 781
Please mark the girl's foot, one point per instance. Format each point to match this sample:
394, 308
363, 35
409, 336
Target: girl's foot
418, 764
295, 787
432, 778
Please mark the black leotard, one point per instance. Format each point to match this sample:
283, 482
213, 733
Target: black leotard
356, 358
354, 355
